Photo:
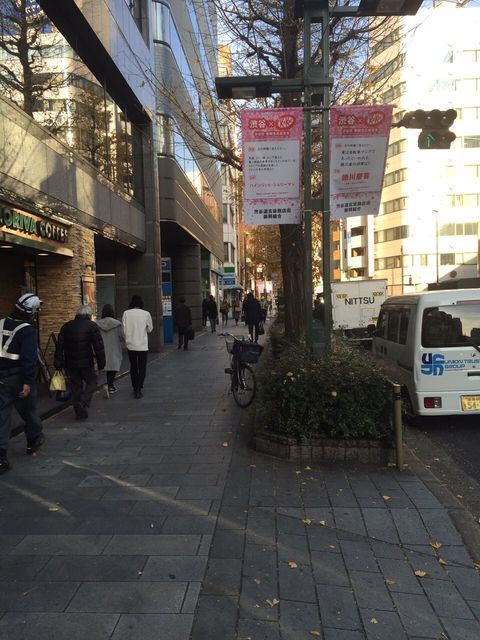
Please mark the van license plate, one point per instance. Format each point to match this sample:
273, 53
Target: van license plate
471, 403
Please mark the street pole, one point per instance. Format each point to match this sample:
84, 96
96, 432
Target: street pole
435, 211
307, 177
327, 278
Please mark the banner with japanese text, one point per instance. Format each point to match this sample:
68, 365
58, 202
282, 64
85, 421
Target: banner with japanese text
358, 151
272, 164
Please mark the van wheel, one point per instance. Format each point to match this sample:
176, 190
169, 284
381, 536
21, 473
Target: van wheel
411, 418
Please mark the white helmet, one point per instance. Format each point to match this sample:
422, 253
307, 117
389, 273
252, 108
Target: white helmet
29, 303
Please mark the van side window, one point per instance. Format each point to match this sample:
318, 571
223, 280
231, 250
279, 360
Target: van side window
381, 324
441, 329
392, 325
404, 319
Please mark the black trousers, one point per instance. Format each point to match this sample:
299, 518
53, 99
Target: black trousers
83, 383
138, 368
251, 327
111, 378
182, 337
10, 387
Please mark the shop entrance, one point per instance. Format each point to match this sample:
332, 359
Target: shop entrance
18, 277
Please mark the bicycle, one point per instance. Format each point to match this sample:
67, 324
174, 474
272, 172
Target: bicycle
243, 382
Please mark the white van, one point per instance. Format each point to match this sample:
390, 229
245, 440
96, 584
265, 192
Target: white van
431, 344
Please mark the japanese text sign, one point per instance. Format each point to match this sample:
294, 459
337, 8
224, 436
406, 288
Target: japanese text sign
358, 150
272, 144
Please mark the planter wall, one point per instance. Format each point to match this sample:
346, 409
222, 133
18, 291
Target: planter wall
323, 449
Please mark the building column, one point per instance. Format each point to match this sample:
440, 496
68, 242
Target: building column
187, 280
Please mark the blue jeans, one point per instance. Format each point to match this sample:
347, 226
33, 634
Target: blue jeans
10, 387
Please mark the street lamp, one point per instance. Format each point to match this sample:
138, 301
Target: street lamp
315, 76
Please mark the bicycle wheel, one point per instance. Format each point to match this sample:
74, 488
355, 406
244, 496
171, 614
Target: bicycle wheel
245, 386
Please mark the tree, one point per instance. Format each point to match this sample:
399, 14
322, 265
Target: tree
26, 36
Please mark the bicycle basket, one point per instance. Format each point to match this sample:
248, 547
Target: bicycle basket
249, 352
230, 345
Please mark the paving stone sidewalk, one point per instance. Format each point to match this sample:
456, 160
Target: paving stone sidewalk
154, 520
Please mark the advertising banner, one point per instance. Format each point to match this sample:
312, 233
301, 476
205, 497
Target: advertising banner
272, 153
358, 150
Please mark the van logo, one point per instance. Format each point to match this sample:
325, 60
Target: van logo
433, 364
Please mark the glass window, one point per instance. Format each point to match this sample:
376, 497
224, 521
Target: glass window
447, 230
471, 142
393, 325
471, 228
381, 325
447, 258
451, 325
161, 22
403, 329
225, 252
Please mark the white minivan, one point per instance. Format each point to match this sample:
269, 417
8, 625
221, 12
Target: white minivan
431, 344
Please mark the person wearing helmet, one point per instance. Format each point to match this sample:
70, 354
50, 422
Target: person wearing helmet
18, 373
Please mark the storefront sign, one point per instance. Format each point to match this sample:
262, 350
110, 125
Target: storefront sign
272, 140
27, 224
358, 149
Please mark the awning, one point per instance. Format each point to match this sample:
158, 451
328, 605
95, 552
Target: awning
232, 287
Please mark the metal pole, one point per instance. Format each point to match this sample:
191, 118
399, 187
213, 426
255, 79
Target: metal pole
327, 287
307, 176
397, 424
436, 243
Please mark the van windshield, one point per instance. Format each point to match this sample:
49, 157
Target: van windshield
452, 325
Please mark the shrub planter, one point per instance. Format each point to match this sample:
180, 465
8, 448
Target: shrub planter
323, 449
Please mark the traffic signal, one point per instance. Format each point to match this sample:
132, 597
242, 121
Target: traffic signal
435, 126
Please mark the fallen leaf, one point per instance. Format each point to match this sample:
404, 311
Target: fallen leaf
386, 497
298, 472
307, 468
392, 464
316, 634
53, 509
224, 444
322, 523
307, 521
436, 545
420, 573
437, 459
140, 573
257, 606
273, 602
441, 561
293, 565
374, 621
331, 546
257, 581
253, 466
476, 566
388, 581
459, 496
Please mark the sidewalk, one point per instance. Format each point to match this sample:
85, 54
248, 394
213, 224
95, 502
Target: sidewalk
153, 520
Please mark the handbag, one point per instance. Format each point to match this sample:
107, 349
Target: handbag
261, 329
63, 396
190, 333
58, 382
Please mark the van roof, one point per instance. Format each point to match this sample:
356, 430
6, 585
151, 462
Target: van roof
435, 298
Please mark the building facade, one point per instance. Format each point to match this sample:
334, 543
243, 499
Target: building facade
427, 229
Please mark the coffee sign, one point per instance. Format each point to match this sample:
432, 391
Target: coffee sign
22, 223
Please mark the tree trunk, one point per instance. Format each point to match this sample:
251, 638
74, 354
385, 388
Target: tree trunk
291, 241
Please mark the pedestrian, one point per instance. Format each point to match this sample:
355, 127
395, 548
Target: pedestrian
237, 310
264, 307
212, 312
18, 374
253, 315
183, 319
137, 324
79, 342
204, 311
224, 309
113, 341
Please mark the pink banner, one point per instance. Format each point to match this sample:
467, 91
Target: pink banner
272, 145
358, 150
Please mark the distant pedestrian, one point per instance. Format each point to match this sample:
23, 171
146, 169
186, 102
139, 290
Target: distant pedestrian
253, 315
18, 374
264, 307
113, 341
183, 319
237, 310
212, 312
137, 324
224, 309
79, 341
204, 311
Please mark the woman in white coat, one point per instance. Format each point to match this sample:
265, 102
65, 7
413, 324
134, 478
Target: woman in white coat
113, 339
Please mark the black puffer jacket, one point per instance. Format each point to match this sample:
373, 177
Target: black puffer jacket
79, 340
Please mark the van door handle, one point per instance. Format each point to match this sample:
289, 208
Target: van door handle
473, 373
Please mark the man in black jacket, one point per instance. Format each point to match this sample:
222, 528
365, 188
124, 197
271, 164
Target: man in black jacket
18, 373
183, 320
212, 312
78, 342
